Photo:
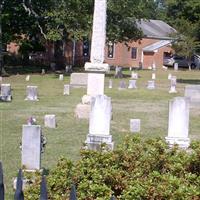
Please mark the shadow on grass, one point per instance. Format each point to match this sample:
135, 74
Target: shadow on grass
189, 81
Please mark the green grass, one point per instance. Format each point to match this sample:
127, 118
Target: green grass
66, 140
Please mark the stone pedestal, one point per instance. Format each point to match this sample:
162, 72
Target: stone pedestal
5, 92
50, 121
132, 84
31, 147
66, 89
178, 124
31, 92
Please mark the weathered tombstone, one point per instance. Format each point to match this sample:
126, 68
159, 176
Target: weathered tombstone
31, 147
193, 93
78, 79
118, 72
169, 76
134, 75
132, 84
19, 194
173, 85
82, 111
66, 89
110, 84
178, 124
50, 121
43, 72
130, 68
99, 123
122, 85
61, 77
153, 76
31, 93
6, 92
153, 66
176, 66
151, 85
134, 125
28, 78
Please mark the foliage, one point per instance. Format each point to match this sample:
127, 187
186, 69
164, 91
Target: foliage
137, 169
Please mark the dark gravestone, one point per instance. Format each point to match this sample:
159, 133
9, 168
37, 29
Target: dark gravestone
19, 195
43, 189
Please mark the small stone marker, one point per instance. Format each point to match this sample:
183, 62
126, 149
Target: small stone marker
61, 77
66, 89
134, 125
78, 79
122, 85
31, 147
43, 72
31, 92
50, 121
118, 72
176, 66
153, 66
169, 76
178, 124
5, 92
132, 84
134, 75
173, 85
28, 78
153, 76
151, 85
110, 84
82, 111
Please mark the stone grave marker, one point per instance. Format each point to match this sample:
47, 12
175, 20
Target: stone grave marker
176, 66
31, 147
28, 78
43, 72
178, 124
169, 76
66, 89
31, 93
173, 85
134, 75
134, 125
153, 76
50, 121
132, 84
122, 85
118, 72
78, 79
5, 92
151, 85
110, 84
61, 77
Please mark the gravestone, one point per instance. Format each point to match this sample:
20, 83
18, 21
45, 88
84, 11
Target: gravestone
5, 92
66, 89
78, 79
82, 111
134, 125
151, 85
110, 84
169, 76
122, 85
118, 72
176, 66
173, 85
50, 121
43, 72
193, 93
132, 84
153, 66
31, 93
99, 123
153, 76
28, 78
178, 124
31, 147
61, 77
134, 75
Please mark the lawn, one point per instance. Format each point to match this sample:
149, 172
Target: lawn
151, 106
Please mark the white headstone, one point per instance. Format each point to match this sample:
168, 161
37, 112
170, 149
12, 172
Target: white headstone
178, 125
98, 38
134, 75
151, 85
176, 66
31, 93
153, 66
173, 85
43, 72
134, 125
66, 89
132, 84
27, 77
50, 121
61, 77
153, 77
122, 85
110, 84
31, 147
169, 76
6, 92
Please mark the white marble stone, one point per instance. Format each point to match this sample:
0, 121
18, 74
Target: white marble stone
82, 111
110, 86
6, 92
50, 121
153, 76
43, 72
31, 147
151, 85
31, 93
66, 89
176, 66
95, 85
28, 78
135, 125
132, 84
169, 77
134, 75
178, 124
173, 85
78, 79
61, 77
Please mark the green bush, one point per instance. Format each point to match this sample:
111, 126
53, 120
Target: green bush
137, 169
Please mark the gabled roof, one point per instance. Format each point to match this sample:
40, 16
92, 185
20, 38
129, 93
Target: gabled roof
153, 47
155, 29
